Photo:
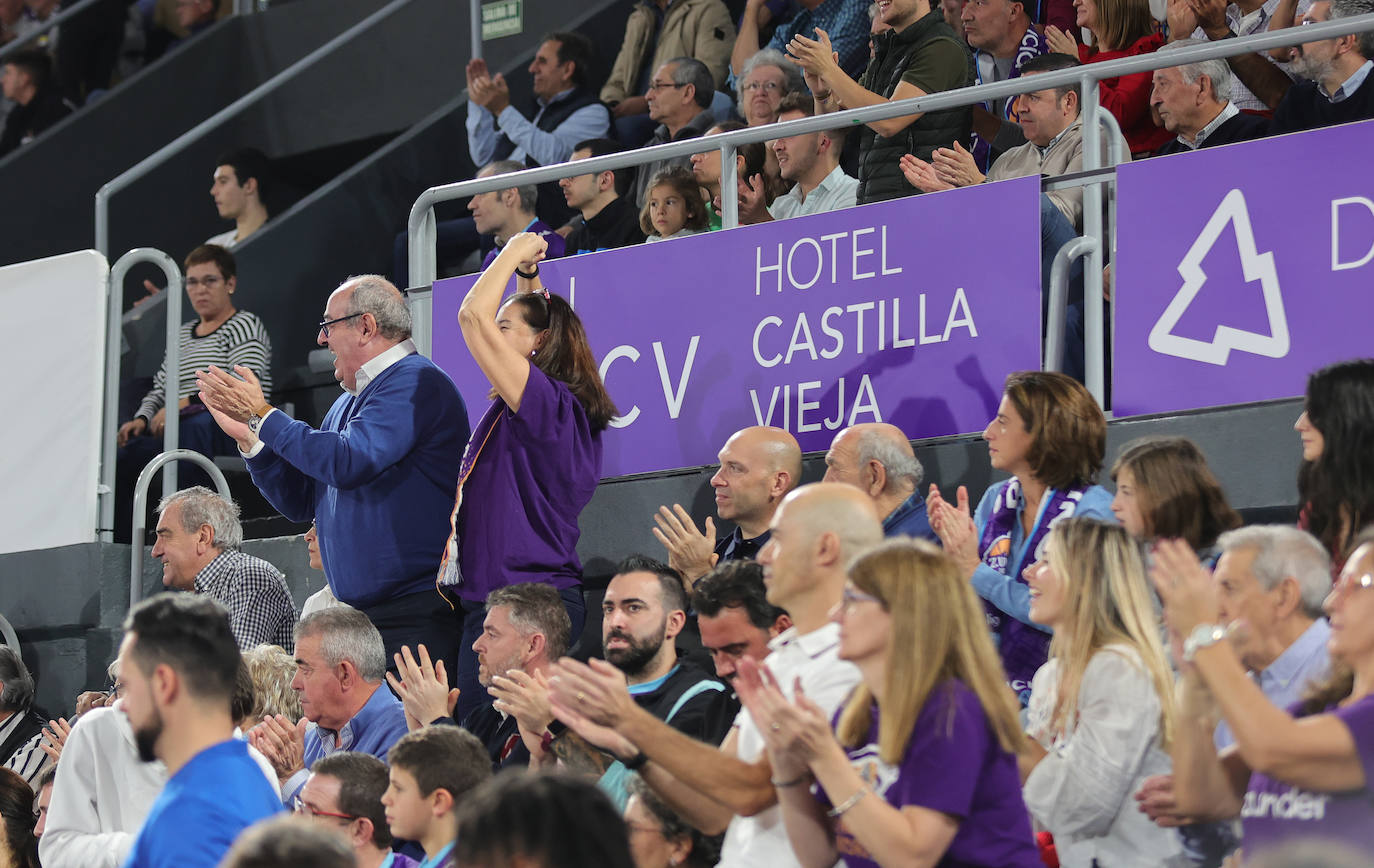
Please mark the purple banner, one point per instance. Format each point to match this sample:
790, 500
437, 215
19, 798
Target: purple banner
1241, 269
910, 312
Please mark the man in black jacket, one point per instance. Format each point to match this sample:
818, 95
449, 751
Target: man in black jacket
1191, 103
605, 219
27, 80
1336, 86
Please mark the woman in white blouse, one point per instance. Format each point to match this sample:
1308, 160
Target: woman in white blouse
1101, 709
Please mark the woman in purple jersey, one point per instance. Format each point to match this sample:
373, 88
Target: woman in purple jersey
1303, 772
921, 761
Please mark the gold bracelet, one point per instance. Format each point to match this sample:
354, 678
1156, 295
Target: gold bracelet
848, 803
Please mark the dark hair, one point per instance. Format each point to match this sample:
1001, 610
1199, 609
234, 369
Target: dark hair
806, 105
600, 147
191, 634
684, 183
442, 757
245, 693
249, 163
1052, 62
18, 692
1337, 489
705, 848
222, 259
579, 50
536, 608
289, 841
553, 820
669, 580
1067, 428
736, 585
35, 62
1322, 693
689, 70
362, 781
565, 354
16, 810
755, 155
1176, 491
45, 777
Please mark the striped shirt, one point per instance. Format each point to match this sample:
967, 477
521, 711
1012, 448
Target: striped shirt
240, 340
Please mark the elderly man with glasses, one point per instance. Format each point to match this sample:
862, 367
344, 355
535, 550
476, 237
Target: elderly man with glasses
379, 474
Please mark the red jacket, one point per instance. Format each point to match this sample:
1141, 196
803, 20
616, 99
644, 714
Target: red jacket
1128, 96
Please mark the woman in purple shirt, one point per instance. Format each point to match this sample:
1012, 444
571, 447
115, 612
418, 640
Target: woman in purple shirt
921, 762
535, 457
1304, 772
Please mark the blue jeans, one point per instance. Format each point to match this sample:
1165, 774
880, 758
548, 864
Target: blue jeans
1055, 232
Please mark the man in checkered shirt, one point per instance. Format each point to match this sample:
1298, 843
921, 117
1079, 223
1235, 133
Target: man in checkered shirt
198, 539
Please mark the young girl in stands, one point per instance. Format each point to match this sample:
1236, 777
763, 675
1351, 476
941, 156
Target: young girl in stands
1164, 489
920, 767
1302, 772
1101, 710
1120, 28
674, 207
1336, 478
1051, 436
535, 457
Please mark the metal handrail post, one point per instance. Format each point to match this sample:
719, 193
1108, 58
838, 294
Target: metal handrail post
114, 309
180, 143
171, 382
1059, 300
1093, 363
729, 187
423, 257
475, 23
55, 21
140, 523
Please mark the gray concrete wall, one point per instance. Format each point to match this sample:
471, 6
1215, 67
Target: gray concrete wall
67, 604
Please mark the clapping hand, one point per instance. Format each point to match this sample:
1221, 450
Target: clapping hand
922, 175
423, 688
282, 743
1185, 587
1061, 41
956, 166
955, 527
690, 551
797, 733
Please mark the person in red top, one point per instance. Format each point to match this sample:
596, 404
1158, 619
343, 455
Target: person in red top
1120, 28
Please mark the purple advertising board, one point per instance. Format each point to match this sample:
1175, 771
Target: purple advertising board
910, 312
1241, 269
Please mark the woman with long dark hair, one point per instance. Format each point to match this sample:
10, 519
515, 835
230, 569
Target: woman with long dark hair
1165, 490
535, 457
16, 810
1336, 477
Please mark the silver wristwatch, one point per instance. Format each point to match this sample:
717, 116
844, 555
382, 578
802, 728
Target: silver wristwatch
1203, 636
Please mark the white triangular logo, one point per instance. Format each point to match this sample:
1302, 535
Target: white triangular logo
1256, 266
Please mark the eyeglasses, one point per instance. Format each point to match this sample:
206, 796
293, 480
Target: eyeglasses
207, 282
301, 807
660, 85
766, 86
850, 598
324, 326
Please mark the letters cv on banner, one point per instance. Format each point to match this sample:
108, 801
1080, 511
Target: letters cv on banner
1236, 279
910, 312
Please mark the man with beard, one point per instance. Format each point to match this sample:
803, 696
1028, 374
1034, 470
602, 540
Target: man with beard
1335, 86
179, 662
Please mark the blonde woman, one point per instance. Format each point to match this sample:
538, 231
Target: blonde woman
920, 767
272, 670
1101, 709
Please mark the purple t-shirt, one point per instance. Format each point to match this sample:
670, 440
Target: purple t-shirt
953, 764
535, 472
1275, 812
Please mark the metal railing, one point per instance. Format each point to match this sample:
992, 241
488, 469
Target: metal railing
140, 526
63, 16
180, 143
422, 229
114, 322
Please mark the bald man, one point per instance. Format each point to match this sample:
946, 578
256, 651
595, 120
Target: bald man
758, 467
877, 459
816, 531
377, 477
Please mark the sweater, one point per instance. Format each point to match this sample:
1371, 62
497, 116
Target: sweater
378, 477
690, 28
1241, 128
1304, 107
1127, 97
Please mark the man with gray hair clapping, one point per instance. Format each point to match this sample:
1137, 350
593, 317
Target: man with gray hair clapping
877, 459
198, 539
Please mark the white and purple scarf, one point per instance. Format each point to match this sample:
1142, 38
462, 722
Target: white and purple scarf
1033, 44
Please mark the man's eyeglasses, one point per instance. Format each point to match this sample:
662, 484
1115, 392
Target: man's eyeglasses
660, 85
766, 86
308, 810
324, 326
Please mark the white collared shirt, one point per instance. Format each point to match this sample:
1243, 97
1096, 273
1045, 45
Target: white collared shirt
827, 681
1227, 112
835, 191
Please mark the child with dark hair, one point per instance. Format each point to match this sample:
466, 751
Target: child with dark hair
432, 770
673, 207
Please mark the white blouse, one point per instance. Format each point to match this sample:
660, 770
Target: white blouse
1082, 791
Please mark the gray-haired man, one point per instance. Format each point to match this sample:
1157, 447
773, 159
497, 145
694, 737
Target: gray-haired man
877, 459
198, 539
507, 212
